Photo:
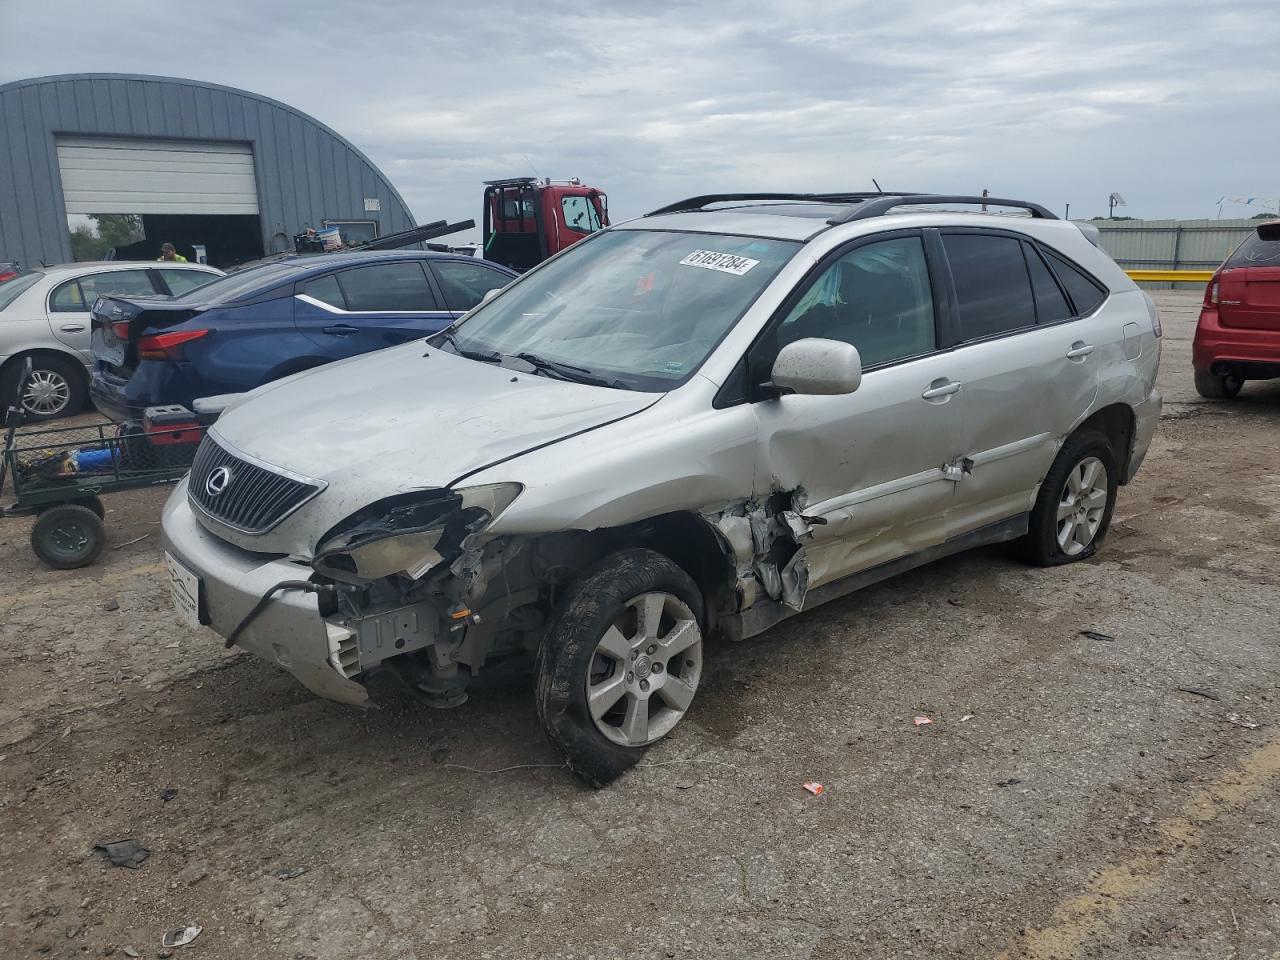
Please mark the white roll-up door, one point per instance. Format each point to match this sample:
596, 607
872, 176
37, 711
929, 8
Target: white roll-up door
106, 175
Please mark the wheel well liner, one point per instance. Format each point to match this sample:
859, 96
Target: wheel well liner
1116, 423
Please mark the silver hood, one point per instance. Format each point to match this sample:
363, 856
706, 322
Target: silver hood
396, 421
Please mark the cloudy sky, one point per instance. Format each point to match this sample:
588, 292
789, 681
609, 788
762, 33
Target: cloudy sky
1172, 104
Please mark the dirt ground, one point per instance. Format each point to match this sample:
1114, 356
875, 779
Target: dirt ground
1070, 799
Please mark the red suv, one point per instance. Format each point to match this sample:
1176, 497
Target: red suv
1238, 336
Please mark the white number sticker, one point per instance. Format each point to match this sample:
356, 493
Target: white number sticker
724, 262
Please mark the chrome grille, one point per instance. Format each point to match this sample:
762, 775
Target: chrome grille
254, 497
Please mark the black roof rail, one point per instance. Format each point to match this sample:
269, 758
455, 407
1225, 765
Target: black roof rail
511, 182
881, 205
697, 203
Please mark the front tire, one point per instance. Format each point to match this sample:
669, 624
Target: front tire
620, 664
1074, 506
1217, 386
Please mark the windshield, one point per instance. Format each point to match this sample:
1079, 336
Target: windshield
634, 308
10, 289
235, 285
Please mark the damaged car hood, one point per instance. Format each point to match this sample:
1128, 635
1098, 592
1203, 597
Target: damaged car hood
396, 421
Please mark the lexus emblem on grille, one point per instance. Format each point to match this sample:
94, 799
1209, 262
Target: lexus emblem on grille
218, 480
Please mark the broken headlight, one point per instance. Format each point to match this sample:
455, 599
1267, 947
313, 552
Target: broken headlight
410, 533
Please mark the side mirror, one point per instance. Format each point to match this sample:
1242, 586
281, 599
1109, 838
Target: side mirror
817, 367
490, 294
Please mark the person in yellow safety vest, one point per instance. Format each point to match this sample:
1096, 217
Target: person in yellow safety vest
168, 252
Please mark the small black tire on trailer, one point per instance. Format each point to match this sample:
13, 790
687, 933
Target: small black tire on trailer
1074, 506
94, 503
620, 662
68, 536
1217, 386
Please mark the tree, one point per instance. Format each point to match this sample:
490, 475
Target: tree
118, 229
1264, 216
85, 244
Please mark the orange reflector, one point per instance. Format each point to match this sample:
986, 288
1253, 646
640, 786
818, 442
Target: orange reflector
460, 614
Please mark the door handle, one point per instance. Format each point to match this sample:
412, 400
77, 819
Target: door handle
342, 329
71, 327
942, 387
1079, 350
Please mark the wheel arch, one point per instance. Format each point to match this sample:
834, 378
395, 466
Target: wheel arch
1117, 423
14, 360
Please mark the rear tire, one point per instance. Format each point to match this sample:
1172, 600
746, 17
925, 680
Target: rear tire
1217, 386
1074, 506
603, 709
55, 389
68, 536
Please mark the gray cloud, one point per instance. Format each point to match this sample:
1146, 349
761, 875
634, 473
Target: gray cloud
1170, 103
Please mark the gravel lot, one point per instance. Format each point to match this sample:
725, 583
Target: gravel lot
1069, 800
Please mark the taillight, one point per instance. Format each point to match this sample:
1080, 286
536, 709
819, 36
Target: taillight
121, 329
1211, 294
167, 346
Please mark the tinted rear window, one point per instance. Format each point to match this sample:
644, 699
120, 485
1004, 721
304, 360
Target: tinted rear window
1086, 293
991, 284
1254, 252
10, 289
236, 286
1051, 305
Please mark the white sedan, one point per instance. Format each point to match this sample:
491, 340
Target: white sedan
44, 315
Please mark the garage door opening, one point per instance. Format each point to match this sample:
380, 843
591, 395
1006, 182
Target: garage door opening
125, 197
225, 240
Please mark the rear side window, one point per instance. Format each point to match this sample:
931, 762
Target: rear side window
67, 298
129, 283
388, 288
1085, 292
1255, 252
326, 290
992, 284
1051, 305
465, 284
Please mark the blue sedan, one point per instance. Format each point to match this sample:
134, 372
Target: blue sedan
266, 322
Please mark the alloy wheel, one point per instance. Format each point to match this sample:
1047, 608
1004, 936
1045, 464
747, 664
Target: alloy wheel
46, 394
1081, 505
645, 670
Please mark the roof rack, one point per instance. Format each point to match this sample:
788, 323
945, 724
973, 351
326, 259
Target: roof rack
864, 205
699, 202
881, 205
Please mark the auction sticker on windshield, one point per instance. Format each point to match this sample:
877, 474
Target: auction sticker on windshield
724, 262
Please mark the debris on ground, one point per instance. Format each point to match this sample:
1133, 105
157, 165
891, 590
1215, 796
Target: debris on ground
168, 793
290, 873
1095, 635
130, 952
966, 717
110, 605
921, 721
181, 937
1200, 692
1242, 721
1012, 781
814, 787
129, 543
123, 853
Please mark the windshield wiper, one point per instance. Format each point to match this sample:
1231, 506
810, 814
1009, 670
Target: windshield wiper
567, 371
484, 356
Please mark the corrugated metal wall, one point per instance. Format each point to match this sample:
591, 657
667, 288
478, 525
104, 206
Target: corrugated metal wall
305, 172
1172, 244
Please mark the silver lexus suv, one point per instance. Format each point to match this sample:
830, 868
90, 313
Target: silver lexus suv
698, 423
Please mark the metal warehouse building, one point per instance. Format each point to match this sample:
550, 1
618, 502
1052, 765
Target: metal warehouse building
191, 163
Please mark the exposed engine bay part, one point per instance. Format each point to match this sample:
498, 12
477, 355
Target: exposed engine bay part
428, 597
767, 542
